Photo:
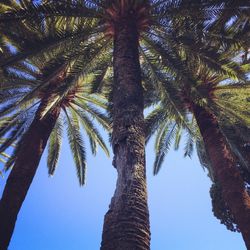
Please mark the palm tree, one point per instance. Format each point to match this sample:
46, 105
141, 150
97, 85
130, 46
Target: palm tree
208, 109
33, 120
192, 72
118, 27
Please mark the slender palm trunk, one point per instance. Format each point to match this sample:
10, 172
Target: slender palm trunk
23, 171
226, 171
126, 224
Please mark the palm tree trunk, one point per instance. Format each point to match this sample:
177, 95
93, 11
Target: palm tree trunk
225, 169
126, 224
23, 172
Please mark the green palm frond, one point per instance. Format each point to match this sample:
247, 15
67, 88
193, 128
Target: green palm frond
76, 145
162, 144
92, 132
55, 142
189, 146
153, 121
13, 136
95, 113
178, 138
5, 158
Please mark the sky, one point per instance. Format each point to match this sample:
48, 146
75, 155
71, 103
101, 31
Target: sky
58, 214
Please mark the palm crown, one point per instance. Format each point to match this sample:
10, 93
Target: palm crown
73, 100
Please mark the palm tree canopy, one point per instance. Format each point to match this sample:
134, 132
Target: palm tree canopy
71, 95
77, 35
220, 87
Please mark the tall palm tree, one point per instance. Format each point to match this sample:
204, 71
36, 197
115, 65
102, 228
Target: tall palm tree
190, 72
33, 120
208, 109
119, 27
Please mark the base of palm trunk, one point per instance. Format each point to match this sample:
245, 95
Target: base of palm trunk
126, 224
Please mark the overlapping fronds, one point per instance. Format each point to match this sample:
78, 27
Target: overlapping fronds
196, 67
190, 53
64, 86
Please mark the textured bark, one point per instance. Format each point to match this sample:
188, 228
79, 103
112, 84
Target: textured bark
126, 224
226, 171
23, 171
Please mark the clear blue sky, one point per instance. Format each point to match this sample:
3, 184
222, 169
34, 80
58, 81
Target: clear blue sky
58, 214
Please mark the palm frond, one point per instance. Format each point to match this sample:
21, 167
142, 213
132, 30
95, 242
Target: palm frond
76, 145
55, 142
